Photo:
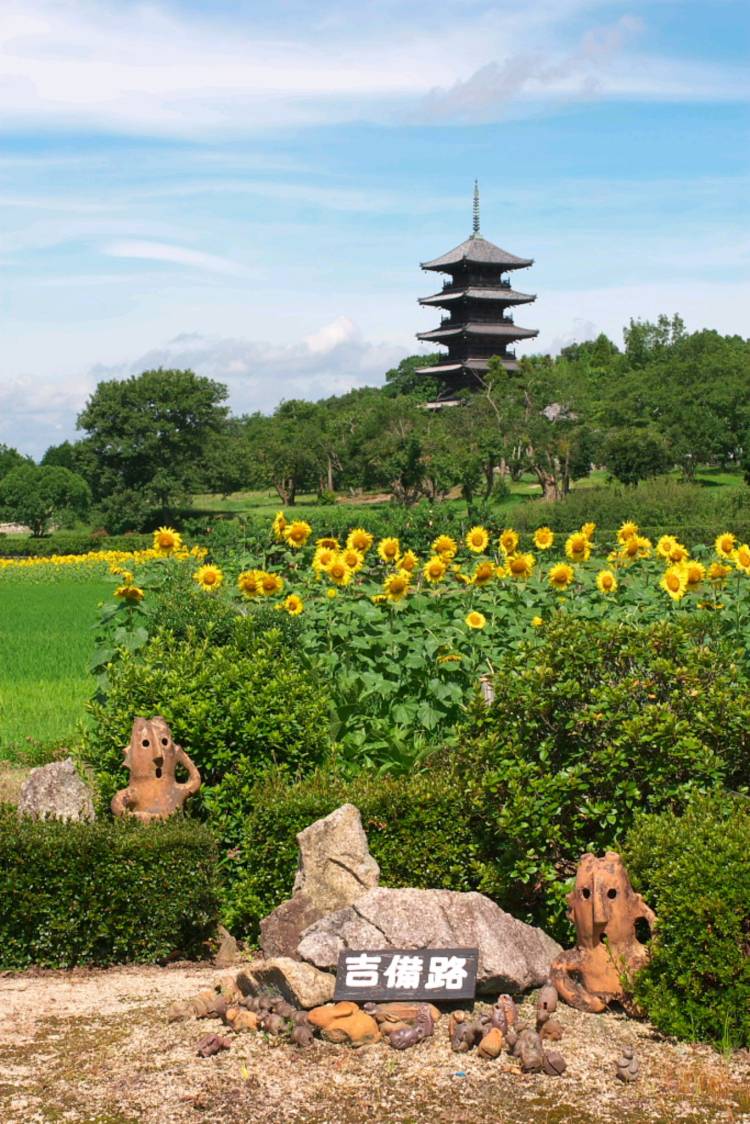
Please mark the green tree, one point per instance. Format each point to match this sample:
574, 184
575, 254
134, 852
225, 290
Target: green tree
405, 380
636, 454
10, 459
38, 496
148, 435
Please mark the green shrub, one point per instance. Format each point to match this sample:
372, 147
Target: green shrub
235, 708
694, 871
594, 723
414, 825
104, 893
69, 542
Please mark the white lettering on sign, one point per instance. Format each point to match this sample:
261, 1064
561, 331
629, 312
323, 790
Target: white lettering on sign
404, 971
446, 971
362, 971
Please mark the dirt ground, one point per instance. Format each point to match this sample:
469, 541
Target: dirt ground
94, 1047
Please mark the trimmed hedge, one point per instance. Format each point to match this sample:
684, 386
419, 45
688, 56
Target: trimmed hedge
694, 871
71, 542
104, 893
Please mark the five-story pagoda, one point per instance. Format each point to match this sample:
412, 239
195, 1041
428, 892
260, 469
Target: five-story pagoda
478, 323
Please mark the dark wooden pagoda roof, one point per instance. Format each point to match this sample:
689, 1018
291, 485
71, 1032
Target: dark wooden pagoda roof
451, 367
477, 250
507, 296
504, 331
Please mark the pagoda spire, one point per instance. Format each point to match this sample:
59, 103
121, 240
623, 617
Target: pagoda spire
476, 233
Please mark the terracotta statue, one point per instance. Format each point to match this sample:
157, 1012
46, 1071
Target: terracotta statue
604, 909
151, 757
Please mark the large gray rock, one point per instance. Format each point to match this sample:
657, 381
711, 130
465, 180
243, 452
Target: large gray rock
300, 984
56, 792
512, 956
335, 868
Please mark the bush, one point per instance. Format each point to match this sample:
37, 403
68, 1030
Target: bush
694, 872
235, 708
69, 542
596, 722
414, 826
104, 893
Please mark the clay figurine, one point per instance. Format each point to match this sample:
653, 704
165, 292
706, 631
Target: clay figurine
604, 908
151, 757
553, 1063
627, 1064
424, 1026
492, 1044
528, 1049
546, 1004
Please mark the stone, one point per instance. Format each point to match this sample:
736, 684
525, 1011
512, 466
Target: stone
627, 1065
239, 1019
529, 1051
56, 792
551, 1031
152, 757
228, 952
553, 1063
300, 984
605, 909
398, 1012
335, 868
512, 956
423, 1027
212, 1044
345, 1023
492, 1044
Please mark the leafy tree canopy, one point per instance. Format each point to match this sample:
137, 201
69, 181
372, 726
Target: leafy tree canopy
38, 496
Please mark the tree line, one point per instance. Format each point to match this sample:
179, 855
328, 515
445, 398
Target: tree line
666, 399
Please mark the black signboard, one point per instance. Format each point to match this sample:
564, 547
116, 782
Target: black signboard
406, 973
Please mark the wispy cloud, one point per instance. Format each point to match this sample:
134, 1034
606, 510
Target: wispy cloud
175, 255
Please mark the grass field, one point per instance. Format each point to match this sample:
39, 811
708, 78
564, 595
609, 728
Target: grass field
46, 643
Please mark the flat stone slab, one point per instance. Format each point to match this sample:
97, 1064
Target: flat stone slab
56, 792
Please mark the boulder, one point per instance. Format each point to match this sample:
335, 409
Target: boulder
300, 984
335, 868
513, 957
228, 952
56, 792
345, 1023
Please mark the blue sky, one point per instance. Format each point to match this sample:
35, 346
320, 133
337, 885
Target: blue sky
247, 189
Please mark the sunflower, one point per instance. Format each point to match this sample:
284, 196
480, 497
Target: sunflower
208, 577
678, 553
674, 582
323, 558
389, 550
696, 572
664, 545
509, 541
445, 546
293, 605
297, 533
725, 544
270, 583
409, 561
544, 537
359, 539
327, 543
561, 575
278, 525
628, 530
477, 539
537, 622
130, 593
718, 572
434, 568
520, 566
396, 586
483, 574
475, 619
606, 582
338, 571
588, 529
742, 558
578, 547
331, 593
249, 582
354, 559
167, 540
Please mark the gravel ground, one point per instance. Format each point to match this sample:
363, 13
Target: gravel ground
94, 1047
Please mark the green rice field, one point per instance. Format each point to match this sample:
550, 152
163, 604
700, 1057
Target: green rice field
46, 643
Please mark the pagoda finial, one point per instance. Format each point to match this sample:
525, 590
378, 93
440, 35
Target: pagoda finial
476, 209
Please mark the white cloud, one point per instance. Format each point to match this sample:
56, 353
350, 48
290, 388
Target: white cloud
175, 255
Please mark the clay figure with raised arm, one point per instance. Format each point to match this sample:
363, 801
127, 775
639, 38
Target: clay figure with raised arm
154, 793
604, 908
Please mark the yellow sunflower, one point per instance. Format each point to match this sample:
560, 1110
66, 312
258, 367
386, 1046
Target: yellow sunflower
537, 622
297, 533
544, 537
509, 541
695, 573
742, 558
606, 582
293, 605
249, 582
389, 550
678, 553
331, 593
578, 547
270, 583
445, 546
354, 559
477, 539
278, 525
664, 545
359, 539
323, 558
327, 543
208, 577
519, 566
409, 562
674, 582
718, 572
725, 544
130, 593
628, 530
484, 573
475, 619
396, 586
588, 529
338, 571
434, 568
561, 575
167, 540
